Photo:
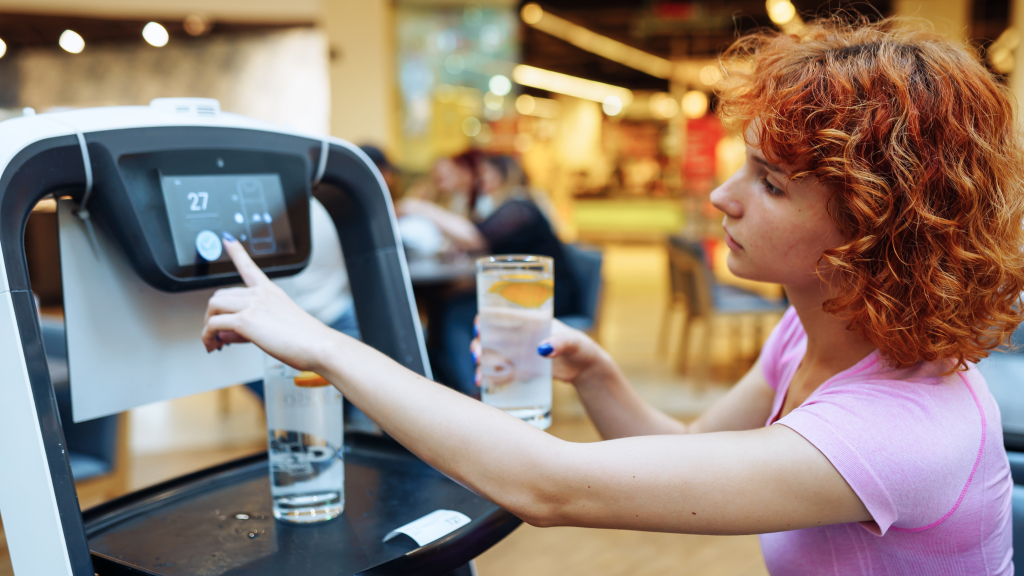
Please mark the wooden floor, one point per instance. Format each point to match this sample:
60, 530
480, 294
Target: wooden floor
173, 438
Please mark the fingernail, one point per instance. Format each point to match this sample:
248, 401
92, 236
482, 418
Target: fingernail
475, 359
545, 349
227, 236
476, 379
476, 331
217, 336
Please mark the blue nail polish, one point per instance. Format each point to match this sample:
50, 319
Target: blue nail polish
475, 359
227, 236
217, 336
476, 331
545, 349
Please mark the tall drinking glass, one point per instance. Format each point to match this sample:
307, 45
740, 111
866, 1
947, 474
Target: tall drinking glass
304, 427
515, 297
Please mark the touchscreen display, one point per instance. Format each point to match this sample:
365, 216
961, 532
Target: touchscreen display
250, 207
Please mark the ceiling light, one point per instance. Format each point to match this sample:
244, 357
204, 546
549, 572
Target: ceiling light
1000, 52
155, 34
500, 85
196, 25
612, 105
71, 41
532, 13
569, 85
695, 104
710, 75
3, 48
781, 11
597, 43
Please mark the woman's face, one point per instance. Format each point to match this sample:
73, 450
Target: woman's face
491, 180
776, 229
451, 177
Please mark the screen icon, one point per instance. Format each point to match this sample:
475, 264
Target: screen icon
208, 245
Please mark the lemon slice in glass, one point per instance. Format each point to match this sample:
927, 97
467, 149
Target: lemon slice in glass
525, 294
310, 380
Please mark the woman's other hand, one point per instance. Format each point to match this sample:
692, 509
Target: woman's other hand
263, 314
572, 352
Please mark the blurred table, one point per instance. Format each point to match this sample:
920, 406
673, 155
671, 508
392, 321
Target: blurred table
434, 271
435, 282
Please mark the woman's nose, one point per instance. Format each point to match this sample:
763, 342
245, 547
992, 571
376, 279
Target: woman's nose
725, 200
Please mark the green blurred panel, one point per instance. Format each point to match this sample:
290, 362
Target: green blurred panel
651, 216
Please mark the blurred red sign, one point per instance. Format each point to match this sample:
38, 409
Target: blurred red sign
702, 136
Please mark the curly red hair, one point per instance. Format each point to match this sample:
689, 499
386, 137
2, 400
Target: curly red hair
919, 144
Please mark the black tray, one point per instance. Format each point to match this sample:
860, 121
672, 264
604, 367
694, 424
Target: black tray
188, 526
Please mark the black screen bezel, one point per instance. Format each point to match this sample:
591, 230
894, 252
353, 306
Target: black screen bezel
141, 173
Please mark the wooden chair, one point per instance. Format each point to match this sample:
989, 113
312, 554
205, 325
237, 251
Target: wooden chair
704, 300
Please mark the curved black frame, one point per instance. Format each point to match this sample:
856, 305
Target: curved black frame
349, 190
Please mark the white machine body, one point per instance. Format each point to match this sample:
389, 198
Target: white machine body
128, 343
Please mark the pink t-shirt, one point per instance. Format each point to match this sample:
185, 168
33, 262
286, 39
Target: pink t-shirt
923, 452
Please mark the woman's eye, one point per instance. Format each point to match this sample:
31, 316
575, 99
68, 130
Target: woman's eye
769, 188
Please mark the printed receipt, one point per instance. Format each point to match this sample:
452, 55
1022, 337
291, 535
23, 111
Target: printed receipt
431, 527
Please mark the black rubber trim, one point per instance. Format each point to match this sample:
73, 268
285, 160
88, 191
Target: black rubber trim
40, 169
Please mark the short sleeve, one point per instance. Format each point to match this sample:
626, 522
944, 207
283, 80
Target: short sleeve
907, 447
778, 342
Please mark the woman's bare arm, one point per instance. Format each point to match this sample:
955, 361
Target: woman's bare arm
463, 233
718, 483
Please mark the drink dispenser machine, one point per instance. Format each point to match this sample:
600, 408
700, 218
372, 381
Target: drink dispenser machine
144, 193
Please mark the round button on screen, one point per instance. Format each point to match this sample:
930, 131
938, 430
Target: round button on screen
209, 246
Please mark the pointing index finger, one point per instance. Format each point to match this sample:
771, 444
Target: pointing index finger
247, 269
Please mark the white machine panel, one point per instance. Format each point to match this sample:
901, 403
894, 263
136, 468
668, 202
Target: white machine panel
130, 344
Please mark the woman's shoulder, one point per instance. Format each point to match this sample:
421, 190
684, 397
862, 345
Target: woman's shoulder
918, 433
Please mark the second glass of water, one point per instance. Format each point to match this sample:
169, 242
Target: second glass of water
515, 296
305, 434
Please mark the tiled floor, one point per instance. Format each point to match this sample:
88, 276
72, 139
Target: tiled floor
173, 438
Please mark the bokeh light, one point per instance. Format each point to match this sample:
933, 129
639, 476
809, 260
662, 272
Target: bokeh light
155, 34
71, 41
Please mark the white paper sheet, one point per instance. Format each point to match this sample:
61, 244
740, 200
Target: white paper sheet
130, 344
433, 526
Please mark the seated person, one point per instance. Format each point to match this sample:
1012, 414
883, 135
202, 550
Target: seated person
516, 226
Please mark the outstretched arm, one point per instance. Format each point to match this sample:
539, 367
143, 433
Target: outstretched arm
762, 480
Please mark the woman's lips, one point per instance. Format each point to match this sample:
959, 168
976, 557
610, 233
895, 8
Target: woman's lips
732, 243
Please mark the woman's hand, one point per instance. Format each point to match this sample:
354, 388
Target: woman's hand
572, 352
263, 314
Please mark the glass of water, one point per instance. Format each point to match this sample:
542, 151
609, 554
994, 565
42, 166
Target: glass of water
304, 427
515, 297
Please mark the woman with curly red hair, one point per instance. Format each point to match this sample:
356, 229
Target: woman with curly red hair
883, 188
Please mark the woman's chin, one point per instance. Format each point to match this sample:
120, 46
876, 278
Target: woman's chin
741, 269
